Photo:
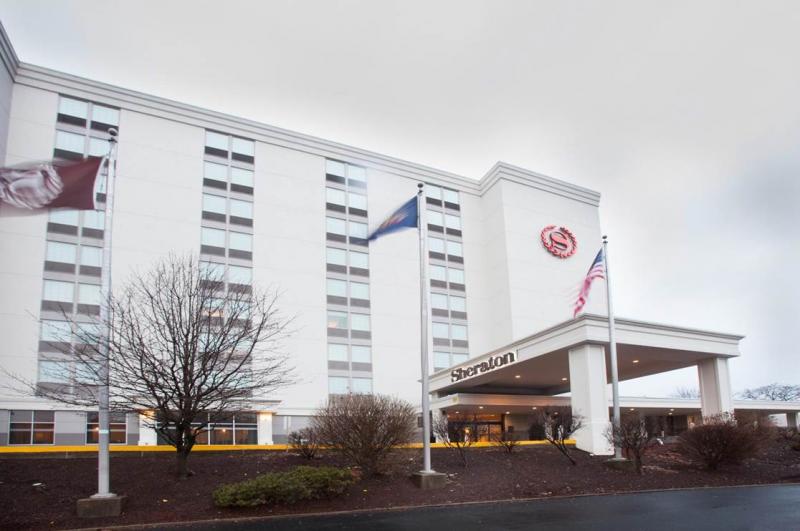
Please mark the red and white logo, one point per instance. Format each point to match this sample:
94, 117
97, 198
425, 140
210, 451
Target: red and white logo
559, 241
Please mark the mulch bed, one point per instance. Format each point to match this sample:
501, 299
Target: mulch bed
154, 495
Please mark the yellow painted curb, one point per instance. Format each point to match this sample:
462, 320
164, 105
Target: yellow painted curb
35, 449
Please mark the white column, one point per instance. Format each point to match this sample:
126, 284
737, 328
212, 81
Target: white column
265, 427
791, 419
715, 387
147, 435
589, 390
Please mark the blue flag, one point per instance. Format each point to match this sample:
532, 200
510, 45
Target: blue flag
403, 217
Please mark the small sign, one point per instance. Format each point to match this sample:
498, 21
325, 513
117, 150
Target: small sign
559, 241
494, 362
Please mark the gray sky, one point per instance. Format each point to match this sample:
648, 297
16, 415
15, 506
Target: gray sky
684, 115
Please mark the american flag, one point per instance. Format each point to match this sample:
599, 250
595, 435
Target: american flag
596, 271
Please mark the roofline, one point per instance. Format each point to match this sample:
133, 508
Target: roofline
69, 84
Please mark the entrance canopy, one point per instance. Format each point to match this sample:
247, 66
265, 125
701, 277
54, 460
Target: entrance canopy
540, 363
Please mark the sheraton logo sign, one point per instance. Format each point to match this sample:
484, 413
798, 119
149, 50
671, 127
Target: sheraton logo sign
494, 362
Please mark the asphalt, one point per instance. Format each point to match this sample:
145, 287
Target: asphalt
765, 508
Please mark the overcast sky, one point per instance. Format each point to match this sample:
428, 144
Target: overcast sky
684, 115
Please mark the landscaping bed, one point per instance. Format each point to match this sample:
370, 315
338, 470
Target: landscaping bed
154, 495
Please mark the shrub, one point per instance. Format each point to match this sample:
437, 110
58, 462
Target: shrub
632, 437
721, 440
791, 436
457, 432
559, 424
285, 488
536, 432
505, 441
365, 429
305, 442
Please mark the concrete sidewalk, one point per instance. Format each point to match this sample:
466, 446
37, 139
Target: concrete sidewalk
773, 507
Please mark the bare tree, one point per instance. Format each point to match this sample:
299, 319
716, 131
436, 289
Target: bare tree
686, 392
457, 432
305, 442
184, 348
365, 429
559, 424
631, 435
505, 441
773, 391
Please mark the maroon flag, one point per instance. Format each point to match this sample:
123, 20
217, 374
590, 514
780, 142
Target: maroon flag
51, 184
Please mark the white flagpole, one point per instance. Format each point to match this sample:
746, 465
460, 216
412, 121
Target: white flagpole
103, 470
613, 348
423, 294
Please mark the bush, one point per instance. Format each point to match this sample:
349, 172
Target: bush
457, 432
505, 441
632, 437
365, 429
285, 488
305, 442
559, 424
722, 440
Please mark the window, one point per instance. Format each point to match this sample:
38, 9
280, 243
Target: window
105, 115
358, 230
435, 218
359, 290
56, 290
69, 142
214, 203
31, 427
333, 167
64, 217
361, 385
455, 249
241, 209
456, 275
240, 275
243, 147
336, 256
357, 201
335, 226
439, 301
337, 385
458, 304
337, 288
434, 192
337, 320
54, 371
436, 245
241, 177
438, 273
440, 330
459, 332
91, 256
60, 331
212, 237
336, 197
88, 333
459, 358
451, 196
240, 241
76, 108
337, 352
212, 271
357, 173
117, 427
359, 260
359, 322
89, 294
215, 172
361, 354
94, 219
216, 140
441, 360
452, 222
98, 147
61, 252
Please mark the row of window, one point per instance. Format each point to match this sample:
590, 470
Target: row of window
222, 144
241, 179
447, 274
455, 332
335, 196
92, 219
222, 205
357, 321
342, 257
62, 331
449, 247
232, 273
453, 303
67, 372
354, 229
83, 110
441, 194
239, 241
349, 353
443, 360
335, 168
443, 220
62, 291
342, 385
67, 253
342, 288
239, 428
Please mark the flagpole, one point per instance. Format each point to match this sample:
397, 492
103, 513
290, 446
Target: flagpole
103, 469
423, 294
613, 349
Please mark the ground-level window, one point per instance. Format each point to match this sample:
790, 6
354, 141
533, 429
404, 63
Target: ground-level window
117, 434
31, 427
227, 428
